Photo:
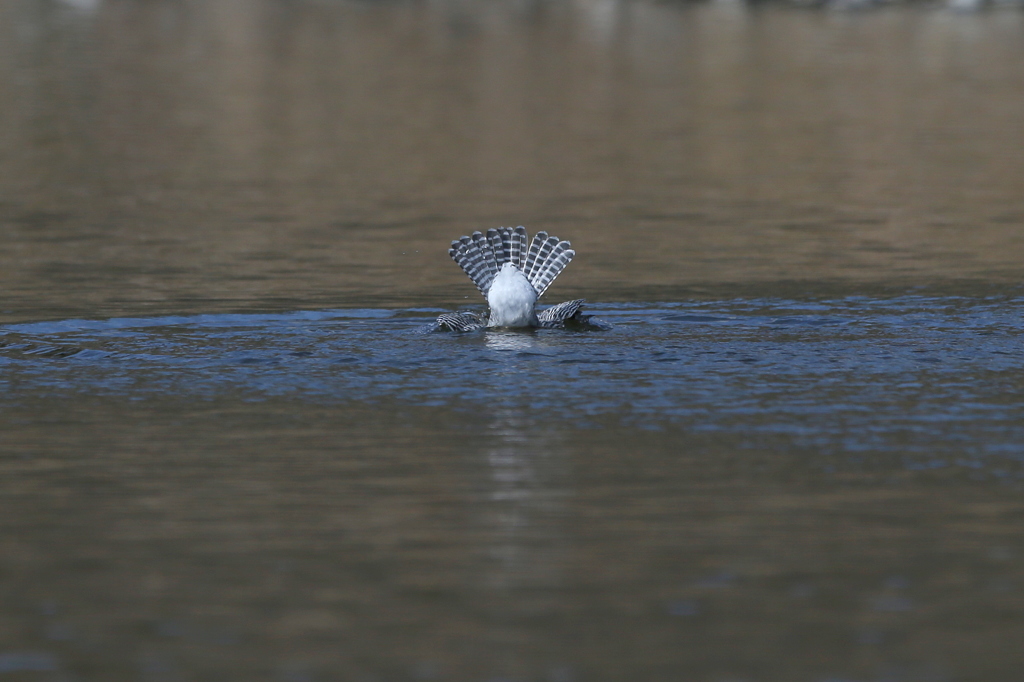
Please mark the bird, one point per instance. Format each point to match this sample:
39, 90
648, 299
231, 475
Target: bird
512, 276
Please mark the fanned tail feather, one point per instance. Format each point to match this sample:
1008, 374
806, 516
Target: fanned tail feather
506, 244
483, 243
553, 265
534, 253
475, 256
543, 251
497, 247
481, 256
517, 255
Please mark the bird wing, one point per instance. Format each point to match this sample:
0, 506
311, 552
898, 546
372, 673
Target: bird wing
459, 322
556, 315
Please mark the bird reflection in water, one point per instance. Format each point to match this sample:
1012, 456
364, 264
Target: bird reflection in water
523, 341
521, 522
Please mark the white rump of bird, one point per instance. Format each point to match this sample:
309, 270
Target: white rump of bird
512, 274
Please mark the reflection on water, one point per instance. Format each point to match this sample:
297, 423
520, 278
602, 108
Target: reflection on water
333, 494
523, 520
513, 340
229, 452
178, 156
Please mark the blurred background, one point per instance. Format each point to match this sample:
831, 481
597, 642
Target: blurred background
228, 454
170, 156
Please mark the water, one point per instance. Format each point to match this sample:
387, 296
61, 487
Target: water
338, 492
842, 375
230, 450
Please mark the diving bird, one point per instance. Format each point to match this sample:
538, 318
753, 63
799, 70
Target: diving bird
512, 276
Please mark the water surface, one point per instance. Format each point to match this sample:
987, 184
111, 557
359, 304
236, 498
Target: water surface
339, 493
230, 452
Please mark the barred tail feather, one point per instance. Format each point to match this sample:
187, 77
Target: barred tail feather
518, 252
506, 244
487, 252
542, 256
481, 256
534, 254
553, 265
497, 247
475, 256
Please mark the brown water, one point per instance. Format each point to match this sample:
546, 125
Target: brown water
230, 452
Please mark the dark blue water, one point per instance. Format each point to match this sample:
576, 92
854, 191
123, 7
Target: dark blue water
936, 381
341, 494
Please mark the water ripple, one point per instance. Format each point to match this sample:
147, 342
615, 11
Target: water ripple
937, 377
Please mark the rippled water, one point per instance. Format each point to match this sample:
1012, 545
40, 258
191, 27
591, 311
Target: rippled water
230, 450
901, 375
338, 494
